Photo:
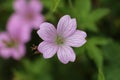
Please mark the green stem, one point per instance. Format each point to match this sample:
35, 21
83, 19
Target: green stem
100, 74
70, 3
54, 9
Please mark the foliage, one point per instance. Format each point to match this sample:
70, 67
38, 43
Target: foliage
37, 70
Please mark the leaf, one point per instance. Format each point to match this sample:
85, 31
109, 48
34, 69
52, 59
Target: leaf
88, 25
51, 5
98, 14
99, 40
112, 56
7, 5
80, 50
95, 53
48, 4
37, 70
83, 7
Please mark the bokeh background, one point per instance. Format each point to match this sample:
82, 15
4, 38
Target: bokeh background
98, 59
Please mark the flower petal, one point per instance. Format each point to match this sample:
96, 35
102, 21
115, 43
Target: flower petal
47, 32
20, 6
5, 53
25, 34
36, 5
3, 37
47, 49
18, 29
66, 26
66, 54
19, 52
37, 21
77, 39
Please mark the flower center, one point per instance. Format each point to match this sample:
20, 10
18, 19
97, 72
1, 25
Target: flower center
27, 0
29, 16
10, 44
59, 40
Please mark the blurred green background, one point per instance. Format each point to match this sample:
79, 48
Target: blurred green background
98, 59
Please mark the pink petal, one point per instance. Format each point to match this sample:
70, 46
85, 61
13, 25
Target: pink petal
18, 53
66, 54
66, 26
77, 39
36, 5
20, 6
47, 32
18, 29
38, 20
25, 34
47, 49
3, 37
5, 52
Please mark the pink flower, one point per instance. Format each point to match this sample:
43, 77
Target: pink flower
61, 40
27, 14
11, 46
16, 27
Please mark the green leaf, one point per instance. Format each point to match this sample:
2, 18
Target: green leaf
80, 50
99, 40
99, 14
83, 7
37, 70
95, 53
7, 5
51, 5
87, 25
48, 4
112, 56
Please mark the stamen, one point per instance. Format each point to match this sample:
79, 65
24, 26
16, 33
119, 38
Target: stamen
29, 16
10, 44
59, 40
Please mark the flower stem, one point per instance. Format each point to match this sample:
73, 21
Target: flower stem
54, 9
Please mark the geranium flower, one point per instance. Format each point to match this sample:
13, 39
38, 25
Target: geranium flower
19, 29
11, 46
27, 13
61, 40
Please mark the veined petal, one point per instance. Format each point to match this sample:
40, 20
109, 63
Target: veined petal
77, 39
47, 49
47, 32
66, 54
66, 26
